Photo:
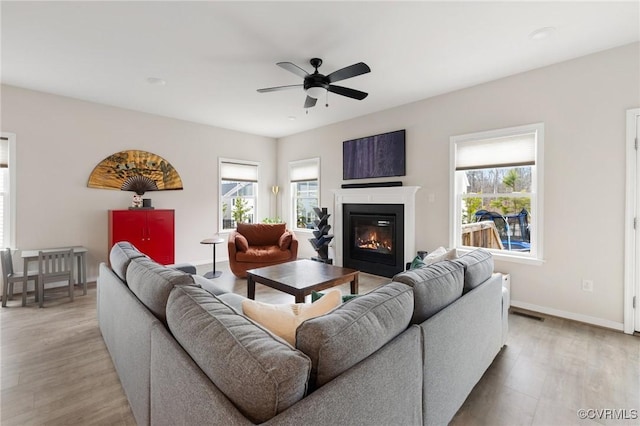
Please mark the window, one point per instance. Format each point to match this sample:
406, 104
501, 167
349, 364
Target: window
496, 191
7, 183
238, 189
304, 176
7, 189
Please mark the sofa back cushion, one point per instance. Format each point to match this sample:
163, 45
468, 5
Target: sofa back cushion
120, 256
262, 234
260, 254
342, 338
478, 267
435, 287
258, 372
152, 283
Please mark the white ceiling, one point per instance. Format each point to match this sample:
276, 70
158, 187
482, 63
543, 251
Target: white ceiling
214, 55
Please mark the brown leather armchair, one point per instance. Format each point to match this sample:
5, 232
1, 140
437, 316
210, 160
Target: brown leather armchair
254, 245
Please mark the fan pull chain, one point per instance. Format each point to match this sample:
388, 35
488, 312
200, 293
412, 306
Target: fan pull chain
327, 100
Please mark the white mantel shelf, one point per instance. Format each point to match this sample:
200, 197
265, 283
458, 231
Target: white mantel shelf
405, 195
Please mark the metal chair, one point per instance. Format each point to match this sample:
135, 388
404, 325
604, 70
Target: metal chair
55, 266
9, 277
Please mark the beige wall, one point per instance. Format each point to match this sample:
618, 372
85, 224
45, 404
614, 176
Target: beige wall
582, 104
60, 140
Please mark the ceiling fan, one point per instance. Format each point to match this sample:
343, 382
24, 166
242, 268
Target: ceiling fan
315, 85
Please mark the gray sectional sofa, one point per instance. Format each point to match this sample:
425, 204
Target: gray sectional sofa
408, 352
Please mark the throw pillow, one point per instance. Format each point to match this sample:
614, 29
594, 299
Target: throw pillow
417, 262
283, 320
241, 243
435, 256
285, 241
440, 254
315, 295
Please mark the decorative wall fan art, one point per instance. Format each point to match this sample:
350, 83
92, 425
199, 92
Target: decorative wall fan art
137, 171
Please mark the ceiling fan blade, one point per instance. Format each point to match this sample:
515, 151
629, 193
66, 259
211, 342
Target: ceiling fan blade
348, 72
310, 102
275, 89
293, 68
350, 93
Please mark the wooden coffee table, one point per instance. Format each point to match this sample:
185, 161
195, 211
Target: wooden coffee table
299, 278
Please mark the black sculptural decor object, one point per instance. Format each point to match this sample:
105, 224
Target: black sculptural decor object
322, 238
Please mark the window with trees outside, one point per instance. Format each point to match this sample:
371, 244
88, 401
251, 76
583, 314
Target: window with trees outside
304, 177
496, 191
238, 189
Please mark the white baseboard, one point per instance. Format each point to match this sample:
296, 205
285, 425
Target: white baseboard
569, 315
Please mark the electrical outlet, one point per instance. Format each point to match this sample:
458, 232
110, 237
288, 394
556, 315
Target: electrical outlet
587, 285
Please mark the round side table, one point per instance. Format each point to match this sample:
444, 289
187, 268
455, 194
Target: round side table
213, 242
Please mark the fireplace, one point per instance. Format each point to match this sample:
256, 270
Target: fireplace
373, 238
404, 196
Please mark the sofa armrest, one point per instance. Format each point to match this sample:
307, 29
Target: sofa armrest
460, 343
185, 267
506, 302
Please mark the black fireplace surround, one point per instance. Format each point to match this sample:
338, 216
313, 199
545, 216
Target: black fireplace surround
373, 238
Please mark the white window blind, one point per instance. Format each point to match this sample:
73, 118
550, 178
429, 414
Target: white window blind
238, 172
500, 171
511, 151
304, 170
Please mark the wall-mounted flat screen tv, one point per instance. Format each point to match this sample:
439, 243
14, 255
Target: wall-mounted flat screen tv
374, 156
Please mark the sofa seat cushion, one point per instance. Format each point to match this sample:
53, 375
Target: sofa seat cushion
478, 267
283, 319
262, 234
263, 254
212, 286
120, 256
435, 287
233, 300
260, 374
337, 341
152, 283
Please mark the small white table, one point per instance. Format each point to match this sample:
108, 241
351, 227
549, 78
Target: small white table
213, 241
81, 271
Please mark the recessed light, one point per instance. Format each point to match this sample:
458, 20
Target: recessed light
542, 33
155, 81
291, 118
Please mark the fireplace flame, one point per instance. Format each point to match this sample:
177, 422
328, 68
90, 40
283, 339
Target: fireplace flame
371, 241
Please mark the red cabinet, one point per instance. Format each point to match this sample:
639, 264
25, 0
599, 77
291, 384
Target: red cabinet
151, 231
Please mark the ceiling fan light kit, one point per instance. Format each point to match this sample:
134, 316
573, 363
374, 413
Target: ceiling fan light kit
315, 91
316, 85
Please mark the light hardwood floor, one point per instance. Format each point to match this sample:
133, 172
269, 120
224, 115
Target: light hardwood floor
55, 368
